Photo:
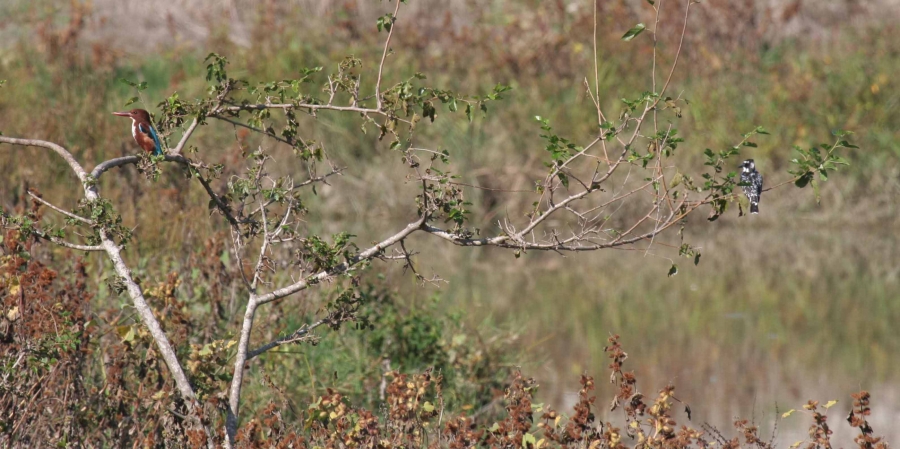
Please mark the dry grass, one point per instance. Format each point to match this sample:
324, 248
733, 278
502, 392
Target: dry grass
798, 302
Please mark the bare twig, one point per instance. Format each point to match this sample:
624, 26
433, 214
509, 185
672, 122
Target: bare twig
298, 335
63, 243
60, 210
387, 44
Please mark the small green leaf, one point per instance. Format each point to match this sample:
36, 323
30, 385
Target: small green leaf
528, 439
428, 407
563, 179
673, 271
131, 100
129, 336
632, 33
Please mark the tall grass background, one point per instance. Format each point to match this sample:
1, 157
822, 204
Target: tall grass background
799, 302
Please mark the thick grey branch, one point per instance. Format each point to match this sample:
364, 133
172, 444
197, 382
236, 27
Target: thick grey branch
255, 301
166, 350
184, 138
368, 254
62, 152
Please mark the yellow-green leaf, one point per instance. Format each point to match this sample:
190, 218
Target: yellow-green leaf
632, 33
129, 336
528, 439
830, 404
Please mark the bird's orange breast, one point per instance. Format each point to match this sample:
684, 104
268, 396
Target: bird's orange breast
143, 140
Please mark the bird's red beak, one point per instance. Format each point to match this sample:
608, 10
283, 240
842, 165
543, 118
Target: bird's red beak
122, 114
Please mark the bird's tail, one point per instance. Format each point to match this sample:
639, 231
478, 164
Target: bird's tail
157, 145
754, 207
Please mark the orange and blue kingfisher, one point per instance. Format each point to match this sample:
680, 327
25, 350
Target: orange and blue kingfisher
142, 131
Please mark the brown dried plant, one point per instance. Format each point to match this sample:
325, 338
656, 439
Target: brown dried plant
621, 186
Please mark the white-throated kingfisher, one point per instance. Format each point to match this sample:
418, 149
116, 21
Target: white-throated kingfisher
143, 131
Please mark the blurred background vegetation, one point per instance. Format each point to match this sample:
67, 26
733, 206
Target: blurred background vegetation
799, 302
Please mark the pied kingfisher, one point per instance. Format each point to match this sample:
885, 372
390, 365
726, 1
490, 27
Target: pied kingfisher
752, 184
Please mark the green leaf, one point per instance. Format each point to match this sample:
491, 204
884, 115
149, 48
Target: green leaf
528, 439
385, 22
632, 33
428, 407
129, 336
453, 107
673, 271
131, 100
563, 179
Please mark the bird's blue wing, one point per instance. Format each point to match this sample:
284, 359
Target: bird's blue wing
157, 150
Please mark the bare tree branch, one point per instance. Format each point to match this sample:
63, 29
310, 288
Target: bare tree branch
302, 333
60, 210
113, 251
62, 152
387, 43
185, 137
69, 245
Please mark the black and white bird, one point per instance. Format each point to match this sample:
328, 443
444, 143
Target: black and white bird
752, 184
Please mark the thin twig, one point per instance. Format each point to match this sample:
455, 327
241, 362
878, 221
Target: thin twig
387, 44
62, 211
